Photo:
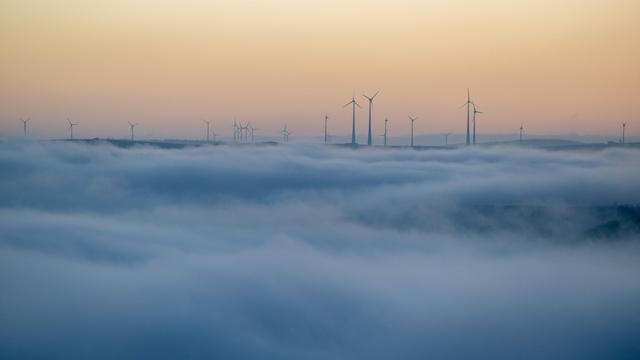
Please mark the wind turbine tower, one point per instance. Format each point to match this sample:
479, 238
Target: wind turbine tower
244, 133
521, 129
353, 103
235, 131
475, 111
326, 135
446, 138
132, 126
71, 125
468, 105
386, 123
624, 126
208, 122
412, 121
24, 125
285, 134
251, 131
369, 140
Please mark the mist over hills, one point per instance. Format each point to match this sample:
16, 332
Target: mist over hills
311, 251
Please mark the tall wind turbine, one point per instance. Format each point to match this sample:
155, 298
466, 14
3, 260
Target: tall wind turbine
24, 125
326, 134
369, 140
412, 121
468, 105
624, 126
521, 129
446, 138
71, 125
243, 132
132, 126
353, 103
208, 122
285, 134
251, 130
235, 131
475, 111
386, 123
245, 129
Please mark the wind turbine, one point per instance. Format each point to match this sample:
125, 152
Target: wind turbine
208, 122
412, 121
369, 140
353, 103
132, 125
251, 130
71, 125
386, 122
468, 105
475, 111
624, 126
521, 129
446, 138
235, 131
24, 125
244, 132
326, 135
285, 134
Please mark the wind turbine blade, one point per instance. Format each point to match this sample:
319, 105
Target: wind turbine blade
347, 104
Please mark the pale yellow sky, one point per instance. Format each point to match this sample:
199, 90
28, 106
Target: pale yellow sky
559, 66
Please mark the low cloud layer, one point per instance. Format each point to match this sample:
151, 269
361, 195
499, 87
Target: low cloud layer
307, 251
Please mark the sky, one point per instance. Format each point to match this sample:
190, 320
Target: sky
315, 252
565, 66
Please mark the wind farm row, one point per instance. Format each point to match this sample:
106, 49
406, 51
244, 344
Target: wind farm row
245, 133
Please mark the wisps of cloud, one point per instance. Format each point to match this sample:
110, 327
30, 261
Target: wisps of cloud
307, 251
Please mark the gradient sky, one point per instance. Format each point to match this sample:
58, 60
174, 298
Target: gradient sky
559, 66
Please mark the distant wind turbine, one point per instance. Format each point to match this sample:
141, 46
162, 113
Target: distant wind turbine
326, 134
412, 121
244, 133
475, 111
208, 122
446, 138
24, 125
468, 105
71, 125
285, 134
386, 123
132, 126
624, 126
353, 103
251, 130
369, 140
521, 129
235, 131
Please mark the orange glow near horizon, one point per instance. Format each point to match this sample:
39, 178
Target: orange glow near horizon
568, 66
